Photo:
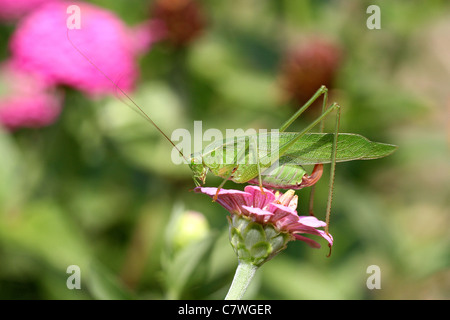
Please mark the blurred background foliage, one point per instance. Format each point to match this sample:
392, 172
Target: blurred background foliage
98, 189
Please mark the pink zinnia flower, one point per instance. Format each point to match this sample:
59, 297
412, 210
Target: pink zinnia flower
28, 102
40, 45
14, 9
271, 208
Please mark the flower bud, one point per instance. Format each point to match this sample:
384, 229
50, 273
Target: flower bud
254, 242
190, 227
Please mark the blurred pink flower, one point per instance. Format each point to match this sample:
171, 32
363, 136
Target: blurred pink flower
145, 34
270, 208
27, 101
40, 45
14, 9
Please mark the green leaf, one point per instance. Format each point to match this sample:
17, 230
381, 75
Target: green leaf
104, 285
12, 172
47, 232
188, 266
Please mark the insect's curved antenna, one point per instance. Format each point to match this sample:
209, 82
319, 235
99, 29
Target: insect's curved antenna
146, 117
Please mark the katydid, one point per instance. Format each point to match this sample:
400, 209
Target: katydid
295, 150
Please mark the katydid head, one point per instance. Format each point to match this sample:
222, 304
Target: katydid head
199, 170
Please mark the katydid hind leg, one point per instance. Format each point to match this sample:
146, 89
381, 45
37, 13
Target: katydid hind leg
318, 120
311, 201
322, 91
276, 154
321, 118
283, 149
313, 187
332, 167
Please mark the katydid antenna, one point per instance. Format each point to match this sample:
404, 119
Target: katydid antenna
146, 117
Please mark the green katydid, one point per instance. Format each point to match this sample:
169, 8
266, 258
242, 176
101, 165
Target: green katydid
295, 150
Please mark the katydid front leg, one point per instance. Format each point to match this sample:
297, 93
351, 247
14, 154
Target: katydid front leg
242, 159
223, 183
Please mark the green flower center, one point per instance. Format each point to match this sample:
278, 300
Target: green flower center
253, 242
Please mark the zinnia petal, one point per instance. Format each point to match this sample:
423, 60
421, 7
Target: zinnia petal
231, 200
310, 242
259, 215
326, 236
311, 221
260, 199
310, 230
271, 208
301, 228
281, 211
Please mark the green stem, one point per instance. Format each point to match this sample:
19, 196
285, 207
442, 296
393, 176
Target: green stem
244, 274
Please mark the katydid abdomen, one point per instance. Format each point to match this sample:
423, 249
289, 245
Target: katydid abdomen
290, 177
285, 176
